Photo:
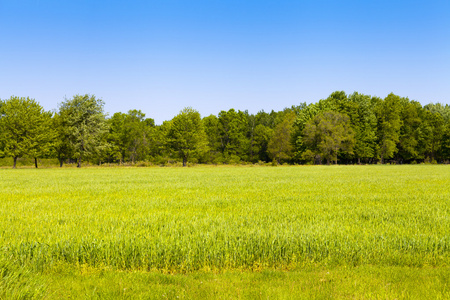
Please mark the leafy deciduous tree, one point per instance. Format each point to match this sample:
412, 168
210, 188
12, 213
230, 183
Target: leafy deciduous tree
389, 123
410, 131
232, 130
24, 128
186, 135
280, 146
328, 133
365, 127
84, 125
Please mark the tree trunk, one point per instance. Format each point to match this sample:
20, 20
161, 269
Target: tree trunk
382, 160
35, 162
60, 163
15, 162
359, 161
184, 161
79, 162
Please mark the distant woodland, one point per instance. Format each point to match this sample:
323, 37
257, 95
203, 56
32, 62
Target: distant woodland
341, 129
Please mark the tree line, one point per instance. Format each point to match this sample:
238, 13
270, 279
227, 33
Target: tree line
346, 129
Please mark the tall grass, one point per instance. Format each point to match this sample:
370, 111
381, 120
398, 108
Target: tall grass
17, 282
184, 219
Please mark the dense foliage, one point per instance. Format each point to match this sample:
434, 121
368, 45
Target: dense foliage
342, 128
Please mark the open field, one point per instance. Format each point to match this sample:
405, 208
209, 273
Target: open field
367, 226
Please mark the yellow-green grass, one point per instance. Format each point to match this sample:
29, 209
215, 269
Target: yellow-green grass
246, 232
341, 282
215, 218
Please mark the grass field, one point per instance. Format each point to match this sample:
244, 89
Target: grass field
245, 232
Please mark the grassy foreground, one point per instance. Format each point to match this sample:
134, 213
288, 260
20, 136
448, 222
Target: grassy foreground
249, 232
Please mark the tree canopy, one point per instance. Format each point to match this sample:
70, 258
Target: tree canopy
346, 129
186, 135
24, 128
327, 134
83, 125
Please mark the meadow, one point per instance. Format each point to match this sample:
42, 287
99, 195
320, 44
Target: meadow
72, 230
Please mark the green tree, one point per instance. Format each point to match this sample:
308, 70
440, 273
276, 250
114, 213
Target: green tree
232, 131
44, 140
266, 119
436, 126
135, 129
434, 129
262, 136
389, 124
327, 134
62, 147
186, 135
446, 143
252, 123
365, 127
159, 146
443, 110
280, 146
24, 128
2, 147
410, 131
339, 102
305, 114
129, 135
211, 125
84, 124
117, 137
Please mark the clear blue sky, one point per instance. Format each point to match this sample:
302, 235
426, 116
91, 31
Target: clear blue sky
161, 56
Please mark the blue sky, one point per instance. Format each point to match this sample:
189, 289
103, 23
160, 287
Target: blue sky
161, 56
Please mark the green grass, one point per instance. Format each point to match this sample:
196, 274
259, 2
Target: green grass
233, 224
363, 282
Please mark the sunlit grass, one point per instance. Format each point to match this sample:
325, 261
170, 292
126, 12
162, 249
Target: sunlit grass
221, 218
